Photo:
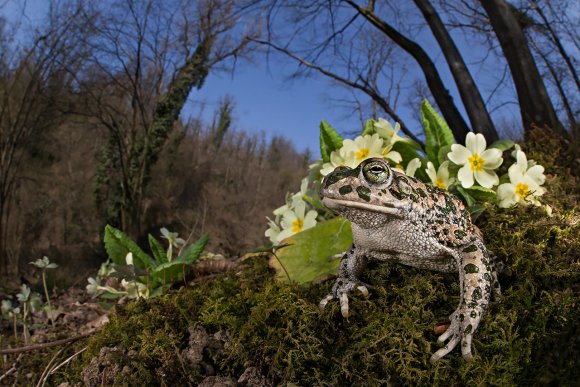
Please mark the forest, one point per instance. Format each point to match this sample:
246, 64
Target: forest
93, 134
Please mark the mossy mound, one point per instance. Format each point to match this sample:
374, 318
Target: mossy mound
227, 325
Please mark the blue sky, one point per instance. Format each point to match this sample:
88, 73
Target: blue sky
267, 101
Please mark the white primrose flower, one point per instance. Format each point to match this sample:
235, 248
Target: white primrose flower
44, 263
135, 289
386, 130
364, 147
339, 158
530, 167
296, 220
273, 230
523, 187
412, 167
477, 161
440, 178
6, 307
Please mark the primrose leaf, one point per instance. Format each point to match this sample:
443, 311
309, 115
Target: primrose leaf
464, 195
481, 194
191, 254
476, 210
369, 128
407, 150
310, 254
330, 140
157, 249
437, 133
169, 272
118, 245
503, 145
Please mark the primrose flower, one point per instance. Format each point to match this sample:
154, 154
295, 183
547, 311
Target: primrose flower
6, 307
339, 158
477, 161
364, 147
523, 187
412, 167
440, 178
296, 220
536, 172
135, 289
172, 237
386, 130
44, 263
273, 230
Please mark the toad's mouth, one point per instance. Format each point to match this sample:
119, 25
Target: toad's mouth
338, 204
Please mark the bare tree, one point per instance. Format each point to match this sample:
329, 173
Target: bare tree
535, 104
33, 88
149, 55
473, 101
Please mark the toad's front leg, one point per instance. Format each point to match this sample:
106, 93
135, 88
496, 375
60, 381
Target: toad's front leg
351, 267
476, 276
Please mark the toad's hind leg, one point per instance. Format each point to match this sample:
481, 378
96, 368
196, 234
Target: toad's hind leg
475, 277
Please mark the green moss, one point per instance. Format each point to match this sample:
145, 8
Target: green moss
530, 337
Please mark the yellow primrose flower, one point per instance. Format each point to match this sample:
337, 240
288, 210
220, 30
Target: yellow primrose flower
477, 161
440, 178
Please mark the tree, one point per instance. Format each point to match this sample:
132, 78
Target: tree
33, 100
147, 60
535, 104
474, 105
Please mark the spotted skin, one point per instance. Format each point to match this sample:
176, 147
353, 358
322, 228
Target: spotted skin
397, 218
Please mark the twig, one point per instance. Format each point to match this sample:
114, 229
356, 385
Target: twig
43, 380
47, 368
12, 369
45, 345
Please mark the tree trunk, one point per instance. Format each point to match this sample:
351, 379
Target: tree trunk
472, 101
438, 90
535, 104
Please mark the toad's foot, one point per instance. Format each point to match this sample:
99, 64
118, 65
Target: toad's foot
340, 290
464, 323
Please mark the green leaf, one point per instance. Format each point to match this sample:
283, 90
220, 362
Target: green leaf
464, 195
118, 245
191, 254
310, 253
503, 145
330, 140
476, 210
481, 194
173, 271
442, 154
157, 249
437, 133
408, 152
369, 128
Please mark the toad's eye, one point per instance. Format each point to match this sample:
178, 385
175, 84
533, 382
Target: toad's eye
376, 172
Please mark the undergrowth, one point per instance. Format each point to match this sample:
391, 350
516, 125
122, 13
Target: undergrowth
531, 337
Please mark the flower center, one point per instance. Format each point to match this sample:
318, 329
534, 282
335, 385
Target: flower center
362, 153
439, 183
297, 225
522, 190
476, 162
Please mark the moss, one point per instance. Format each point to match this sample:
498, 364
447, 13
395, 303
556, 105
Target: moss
530, 337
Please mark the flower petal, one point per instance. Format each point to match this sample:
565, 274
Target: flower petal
465, 176
430, 170
486, 178
395, 156
480, 143
459, 154
506, 195
537, 174
492, 158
